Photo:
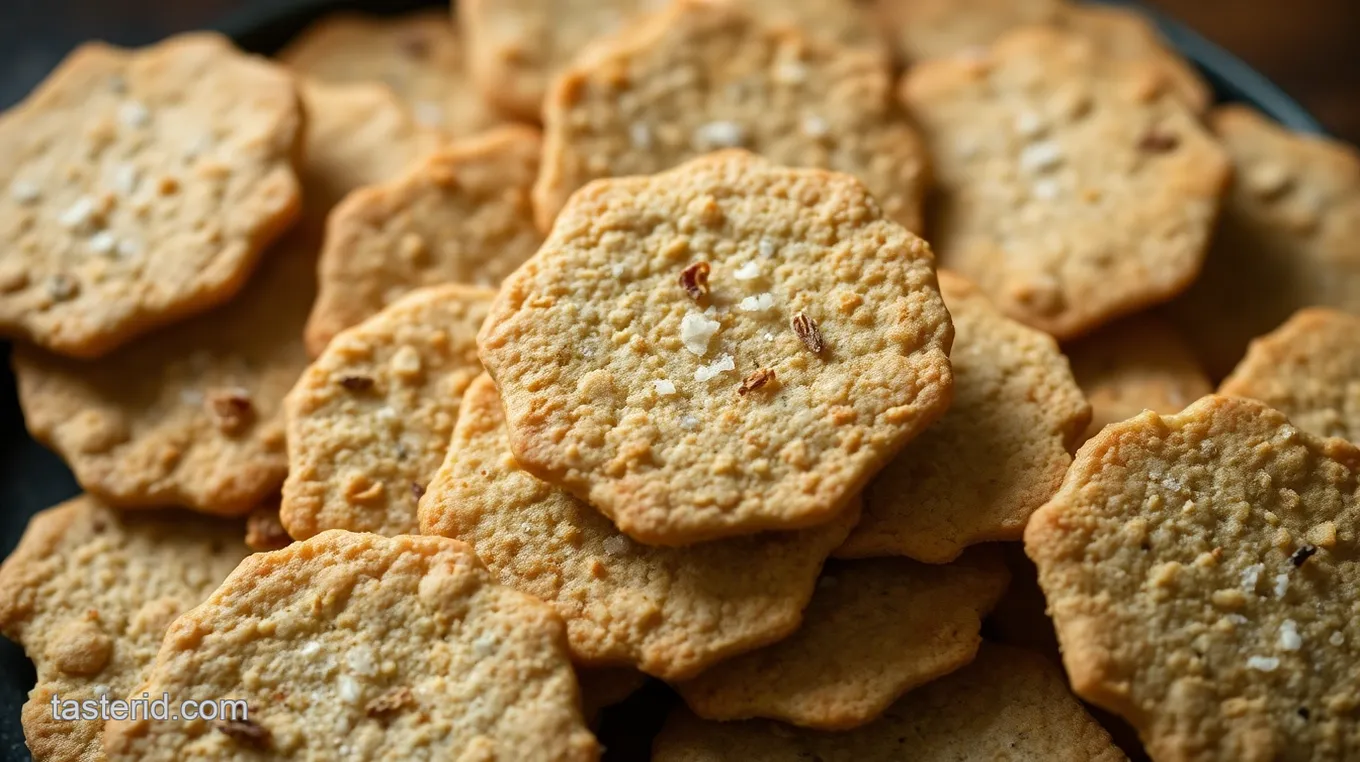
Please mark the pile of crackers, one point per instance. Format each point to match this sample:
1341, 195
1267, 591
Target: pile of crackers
910, 380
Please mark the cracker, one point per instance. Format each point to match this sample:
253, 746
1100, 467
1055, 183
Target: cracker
461, 215
874, 630
670, 612
369, 421
89, 593
1129, 35
923, 29
517, 47
1139, 363
194, 415
1201, 570
995, 457
1306, 369
418, 55
140, 188
1289, 238
397, 648
762, 392
1008, 704
1074, 188
701, 76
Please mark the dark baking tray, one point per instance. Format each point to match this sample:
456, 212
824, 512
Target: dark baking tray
31, 478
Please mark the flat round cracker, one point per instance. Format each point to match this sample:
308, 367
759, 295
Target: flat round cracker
419, 55
140, 188
1075, 188
701, 76
998, 453
1202, 572
1308, 369
1289, 237
369, 421
725, 348
1008, 704
874, 630
461, 215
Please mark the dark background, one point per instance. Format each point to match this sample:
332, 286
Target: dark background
1311, 48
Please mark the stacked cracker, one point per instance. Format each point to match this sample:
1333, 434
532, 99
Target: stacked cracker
595, 343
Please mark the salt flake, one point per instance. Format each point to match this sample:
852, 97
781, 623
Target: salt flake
720, 135
748, 271
709, 372
696, 331
1289, 636
664, 387
757, 303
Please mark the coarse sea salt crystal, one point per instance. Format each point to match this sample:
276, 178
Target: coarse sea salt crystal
766, 247
757, 303
1250, 575
664, 387
133, 114
709, 372
1281, 585
125, 178
689, 423
1263, 663
102, 242
24, 192
349, 689
640, 135
815, 127
1337, 638
723, 134
696, 331
1041, 156
428, 114
616, 545
78, 214
748, 271
1289, 636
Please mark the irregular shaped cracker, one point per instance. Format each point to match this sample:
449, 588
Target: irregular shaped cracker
1308, 369
194, 415
702, 76
874, 630
89, 593
670, 612
815, 350
140, 188
922, 29
1139, 363
368, 422
461, 215
1289, 238
416, 54
1008, 704
995, 457
1126, 34
1094, 199
403, 646
517, 47
1202, 572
